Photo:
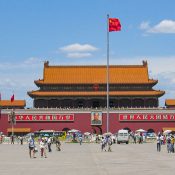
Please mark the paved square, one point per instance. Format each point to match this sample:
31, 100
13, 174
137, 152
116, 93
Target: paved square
88, 159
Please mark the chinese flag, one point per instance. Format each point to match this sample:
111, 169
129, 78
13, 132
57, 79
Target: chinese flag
114, 24
12, 98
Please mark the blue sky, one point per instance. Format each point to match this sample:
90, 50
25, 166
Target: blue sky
74, 32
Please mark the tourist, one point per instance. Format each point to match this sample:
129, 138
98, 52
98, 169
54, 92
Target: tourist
162, 139
21, 139
12, 139
159, 143
49, 142
58, 144
172, 143
31, 147
168, 144
1, 138
43, 147
74, 136
80, 139
103, 144
135, 138
109, 142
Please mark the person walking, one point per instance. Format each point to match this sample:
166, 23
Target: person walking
49, 142
172, 143
80, 139
43, 147
135, 137
12, 139
103, 144
109, 142
159, 143
58, 144
168, 144
32, 147
21, 139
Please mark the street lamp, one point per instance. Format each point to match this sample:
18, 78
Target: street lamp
12, 120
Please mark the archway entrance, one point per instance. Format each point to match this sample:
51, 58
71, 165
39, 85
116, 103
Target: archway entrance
97, 130
65, 129
150, 130
126, 128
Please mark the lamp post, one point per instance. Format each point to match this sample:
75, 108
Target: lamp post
12, 120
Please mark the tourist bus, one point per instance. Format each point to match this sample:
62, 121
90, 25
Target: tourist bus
50, 133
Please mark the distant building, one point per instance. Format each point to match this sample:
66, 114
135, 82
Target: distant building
170, 103
68, 96
16, 104
85, 86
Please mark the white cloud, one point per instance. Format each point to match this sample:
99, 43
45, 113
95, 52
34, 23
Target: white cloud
19, 77
8, 83
144, 25
166, 83
78, 48
155, 64
32, 60
160, 68
78, 55
165, 26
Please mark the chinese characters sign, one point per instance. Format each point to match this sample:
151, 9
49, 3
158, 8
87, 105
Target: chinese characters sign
45, 118
147, 117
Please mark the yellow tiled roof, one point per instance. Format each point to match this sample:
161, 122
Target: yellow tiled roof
170, 102
96, 93
20, 103
123, 74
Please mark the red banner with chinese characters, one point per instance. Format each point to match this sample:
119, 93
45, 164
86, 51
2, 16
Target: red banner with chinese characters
147, 117
44, 117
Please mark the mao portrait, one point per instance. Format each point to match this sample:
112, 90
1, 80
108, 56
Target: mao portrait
96, 118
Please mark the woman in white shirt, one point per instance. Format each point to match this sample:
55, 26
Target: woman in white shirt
43, 147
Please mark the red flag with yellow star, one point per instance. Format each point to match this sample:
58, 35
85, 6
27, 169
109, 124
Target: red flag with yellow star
12, 98
114, 24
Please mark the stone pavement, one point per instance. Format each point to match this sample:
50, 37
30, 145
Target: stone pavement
88, 159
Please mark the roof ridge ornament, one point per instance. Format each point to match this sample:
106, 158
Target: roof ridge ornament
46, 64
145, 63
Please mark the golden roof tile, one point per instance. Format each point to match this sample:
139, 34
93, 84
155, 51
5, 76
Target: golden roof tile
170, 102
96, 93
119, 74
20, 103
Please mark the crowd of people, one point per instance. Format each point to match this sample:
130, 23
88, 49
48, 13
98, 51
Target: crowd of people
168, 140
43, 145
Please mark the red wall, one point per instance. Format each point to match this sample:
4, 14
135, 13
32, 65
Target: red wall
82, 122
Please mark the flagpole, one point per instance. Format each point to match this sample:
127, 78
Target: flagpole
12, 121
12, 130
107, 76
